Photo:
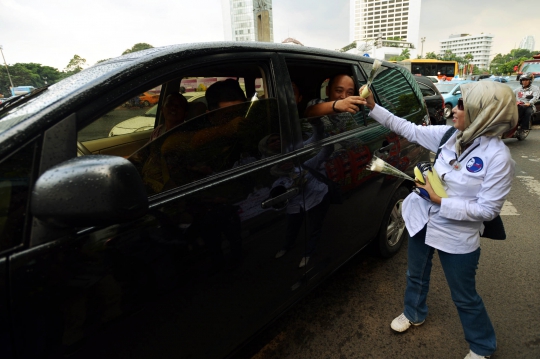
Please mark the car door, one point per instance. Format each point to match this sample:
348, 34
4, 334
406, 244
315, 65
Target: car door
336, 149
195, 276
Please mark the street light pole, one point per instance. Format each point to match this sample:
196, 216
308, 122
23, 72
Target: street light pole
11, 82
422, 52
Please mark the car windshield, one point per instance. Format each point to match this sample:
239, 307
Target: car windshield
531, 67
445, 88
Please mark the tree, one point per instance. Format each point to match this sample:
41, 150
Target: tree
30, 74
406, 54
138, 47
99, 61
431, 55
75, 65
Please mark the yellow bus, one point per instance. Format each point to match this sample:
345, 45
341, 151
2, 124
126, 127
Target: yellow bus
429, 67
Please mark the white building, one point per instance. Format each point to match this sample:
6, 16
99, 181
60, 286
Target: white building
241, 19
477, 45
388, 19
527, 43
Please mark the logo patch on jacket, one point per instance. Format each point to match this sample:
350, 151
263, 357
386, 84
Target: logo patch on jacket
475, 164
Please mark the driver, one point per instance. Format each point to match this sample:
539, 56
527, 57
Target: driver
526, 95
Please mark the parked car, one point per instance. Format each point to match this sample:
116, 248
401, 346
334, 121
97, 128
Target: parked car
114, 247
148, 99
433, 79
451, 92
433, 99
495, 78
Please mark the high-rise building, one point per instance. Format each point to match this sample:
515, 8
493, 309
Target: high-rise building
479, 46
527, 43
247, 20
389, 19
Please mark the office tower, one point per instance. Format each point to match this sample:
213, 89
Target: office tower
527, 43
477, 45
389, 18
247, 20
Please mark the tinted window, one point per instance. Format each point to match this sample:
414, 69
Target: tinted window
395, 92
426, 90
209, 144
15, 175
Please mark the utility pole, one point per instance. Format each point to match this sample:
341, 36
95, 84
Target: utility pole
422, 52
11, 82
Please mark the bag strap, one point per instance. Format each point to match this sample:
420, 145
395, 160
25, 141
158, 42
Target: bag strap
445, 138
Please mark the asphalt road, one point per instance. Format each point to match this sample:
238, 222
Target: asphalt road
349, 316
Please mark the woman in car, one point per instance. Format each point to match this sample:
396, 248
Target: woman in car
477, 170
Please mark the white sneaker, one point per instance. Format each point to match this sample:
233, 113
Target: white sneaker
473, 355
303, 262
280, 253
401, 323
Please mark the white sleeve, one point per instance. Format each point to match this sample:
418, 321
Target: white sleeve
426, 136
489, 201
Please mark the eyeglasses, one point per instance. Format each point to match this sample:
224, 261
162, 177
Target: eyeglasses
460, 104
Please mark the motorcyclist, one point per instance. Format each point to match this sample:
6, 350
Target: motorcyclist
526, 96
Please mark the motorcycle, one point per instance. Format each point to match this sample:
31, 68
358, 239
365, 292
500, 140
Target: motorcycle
517, 131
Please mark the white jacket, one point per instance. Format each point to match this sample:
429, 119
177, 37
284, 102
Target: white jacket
476, 192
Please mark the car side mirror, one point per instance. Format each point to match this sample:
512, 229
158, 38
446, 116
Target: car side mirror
89, 191
457, 93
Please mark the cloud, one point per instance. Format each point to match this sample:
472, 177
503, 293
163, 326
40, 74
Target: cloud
51, 32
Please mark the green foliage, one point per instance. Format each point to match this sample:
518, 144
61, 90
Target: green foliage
138, 47
504, 64
99, 61
405, 54
431, 55
75, 65
30, 74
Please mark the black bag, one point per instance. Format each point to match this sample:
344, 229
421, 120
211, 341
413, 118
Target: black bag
334, 188
493, 229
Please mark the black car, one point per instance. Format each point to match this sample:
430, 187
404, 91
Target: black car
116, 247
433, 99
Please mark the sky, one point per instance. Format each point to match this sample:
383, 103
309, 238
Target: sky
51, 32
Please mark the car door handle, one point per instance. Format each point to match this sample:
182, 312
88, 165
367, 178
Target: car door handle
386, 148
281, 198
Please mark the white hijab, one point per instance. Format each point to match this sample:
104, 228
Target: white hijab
490, 110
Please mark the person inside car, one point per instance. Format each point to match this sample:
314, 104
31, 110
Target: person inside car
526, 95
174, 113
341, 98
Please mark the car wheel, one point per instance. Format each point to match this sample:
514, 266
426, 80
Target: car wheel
447, 110
392, 232
146, 103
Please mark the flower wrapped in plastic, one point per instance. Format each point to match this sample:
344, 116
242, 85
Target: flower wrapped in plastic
378, 165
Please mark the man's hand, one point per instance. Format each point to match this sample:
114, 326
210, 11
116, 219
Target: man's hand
368, 101
350, 104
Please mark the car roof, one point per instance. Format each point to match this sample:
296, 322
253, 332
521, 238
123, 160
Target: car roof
426, 81
59, 99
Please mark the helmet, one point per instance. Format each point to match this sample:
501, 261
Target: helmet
526, 76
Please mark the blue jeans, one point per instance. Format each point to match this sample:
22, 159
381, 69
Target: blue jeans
460, 272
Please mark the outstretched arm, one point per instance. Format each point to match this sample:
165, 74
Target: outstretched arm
349, 104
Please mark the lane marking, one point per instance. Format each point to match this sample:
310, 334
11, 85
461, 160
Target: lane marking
532, 185
508, 209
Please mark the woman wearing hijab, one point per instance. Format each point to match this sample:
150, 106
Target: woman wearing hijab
476, 169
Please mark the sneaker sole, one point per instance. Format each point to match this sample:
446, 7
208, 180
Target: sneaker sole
404, 330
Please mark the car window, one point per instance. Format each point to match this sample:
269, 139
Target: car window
395, 92
426, 90
15, 178
209, 144
133, 115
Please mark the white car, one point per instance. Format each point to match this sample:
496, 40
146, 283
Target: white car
146, 122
